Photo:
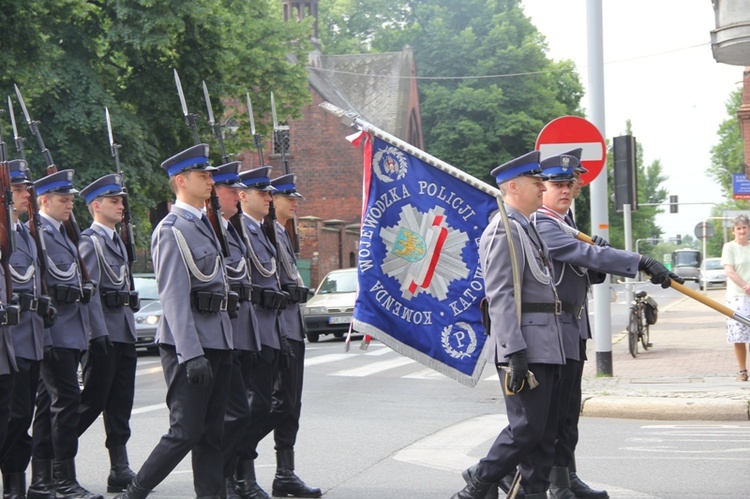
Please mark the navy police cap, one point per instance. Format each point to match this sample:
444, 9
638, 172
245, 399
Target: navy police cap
523, 166
560, 168
58, 183
192, 158
577, 153
229, 175
19, 172
108, 186
286, 185
258, 179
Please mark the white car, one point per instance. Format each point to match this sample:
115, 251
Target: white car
712, 273
330, 310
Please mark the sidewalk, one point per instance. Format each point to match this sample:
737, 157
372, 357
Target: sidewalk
688, 374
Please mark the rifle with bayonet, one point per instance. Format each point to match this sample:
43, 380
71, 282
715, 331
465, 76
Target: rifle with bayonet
71, 226
126, 225
281, 135
8, 313
213, 209
268, 224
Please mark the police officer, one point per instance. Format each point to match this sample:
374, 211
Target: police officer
109, 379
195, 333
256, 204
244, 323
28, 339
522, 341
55, 433
287, 396
577, 265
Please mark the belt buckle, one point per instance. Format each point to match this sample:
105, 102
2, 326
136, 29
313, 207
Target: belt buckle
223, 306
33, 305
558, 307
580, 311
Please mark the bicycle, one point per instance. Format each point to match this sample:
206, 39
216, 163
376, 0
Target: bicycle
639, 322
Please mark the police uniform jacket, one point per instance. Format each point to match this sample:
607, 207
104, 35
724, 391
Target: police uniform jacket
28, 334
187, 258
291, 317
245, 331
263, 269
107, 263
71, 329
7, 355
539, 332
576, 265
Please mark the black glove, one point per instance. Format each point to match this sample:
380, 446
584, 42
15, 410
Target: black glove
658, 272
600, 241
50, 317
519, 368
199, 371
100, 346
287, 354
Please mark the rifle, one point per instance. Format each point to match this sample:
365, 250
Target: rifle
126, 227
281, 134
71, 226
213, 209
7, 241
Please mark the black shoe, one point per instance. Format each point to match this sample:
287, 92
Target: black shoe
14, 485
134, 491
286, 483
245, 484
559, 484
583, 491
66, 485
42, 485
507, 482
475, 487
120, 474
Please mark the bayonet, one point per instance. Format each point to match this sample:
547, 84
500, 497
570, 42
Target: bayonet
112, 146
280, 135
273, 113
189, 118
34, 127
208, 104
16, 138
256, 136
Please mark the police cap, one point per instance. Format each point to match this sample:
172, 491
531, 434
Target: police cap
107, 186
19, 172
192, 158
229, 175
258, 179
58, 183
286, 185
523, 166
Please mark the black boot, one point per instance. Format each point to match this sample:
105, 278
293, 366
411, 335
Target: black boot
559, 484
536, 495
66, 485
246, 485
134, 491
475, 488
42, 486
583, 491
14, 485
507, 482
120, 474
230, 491
286, 483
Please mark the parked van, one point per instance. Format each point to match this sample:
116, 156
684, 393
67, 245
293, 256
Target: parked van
686, 263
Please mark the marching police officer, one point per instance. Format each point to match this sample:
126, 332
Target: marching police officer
195, 333
256, 203
28, 339
244, 323
287, 396
55, 433
525, 337
577, 265
109, 379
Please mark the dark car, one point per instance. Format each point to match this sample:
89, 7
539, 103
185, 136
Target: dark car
331, 309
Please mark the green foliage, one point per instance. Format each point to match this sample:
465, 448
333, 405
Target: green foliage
71, 58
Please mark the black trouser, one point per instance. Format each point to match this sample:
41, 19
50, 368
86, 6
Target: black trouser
529, 439
260, 381
6, 399
55, 433
196, 420
15, 453
237, 418
569, 413
287, 400
109, 387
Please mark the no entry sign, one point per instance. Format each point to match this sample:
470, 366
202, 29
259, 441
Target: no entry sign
570, 132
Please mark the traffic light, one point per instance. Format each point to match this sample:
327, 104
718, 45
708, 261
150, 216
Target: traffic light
678, 239
625, 173
673, 204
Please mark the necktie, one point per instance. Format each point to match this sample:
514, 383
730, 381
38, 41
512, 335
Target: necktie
23, 233
204, 219
118, 242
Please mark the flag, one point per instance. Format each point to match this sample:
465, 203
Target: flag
420, 282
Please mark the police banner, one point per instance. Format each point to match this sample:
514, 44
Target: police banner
420, 283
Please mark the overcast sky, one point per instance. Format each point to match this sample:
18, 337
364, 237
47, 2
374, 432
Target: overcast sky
660, 74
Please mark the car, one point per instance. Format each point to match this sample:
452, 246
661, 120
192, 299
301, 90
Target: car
712, 273
331, 308
148, 317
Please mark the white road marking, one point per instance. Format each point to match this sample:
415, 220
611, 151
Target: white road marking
374, 368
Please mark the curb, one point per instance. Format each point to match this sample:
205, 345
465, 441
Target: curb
660, 408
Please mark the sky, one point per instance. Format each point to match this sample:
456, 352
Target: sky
660, 74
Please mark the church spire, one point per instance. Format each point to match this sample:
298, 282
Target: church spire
300, 9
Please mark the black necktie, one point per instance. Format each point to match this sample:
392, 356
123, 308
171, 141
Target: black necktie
118, 242
23, 233
204, 219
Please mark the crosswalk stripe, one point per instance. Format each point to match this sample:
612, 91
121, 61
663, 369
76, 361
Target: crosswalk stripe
374, 368
329, 357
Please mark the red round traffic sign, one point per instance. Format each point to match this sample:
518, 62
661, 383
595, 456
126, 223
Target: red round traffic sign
570, 132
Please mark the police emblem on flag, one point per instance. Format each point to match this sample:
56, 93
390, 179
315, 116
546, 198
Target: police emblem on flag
390, 164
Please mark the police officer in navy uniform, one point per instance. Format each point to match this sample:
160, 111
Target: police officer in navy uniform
520, 346
28, 339
244, 323
256, 203
194, 334
109, 380
55, 430
577, 265
287, 396
8, 367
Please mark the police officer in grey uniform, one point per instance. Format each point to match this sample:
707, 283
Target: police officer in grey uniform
55, 429
256, 202
520, 346
244, 323
109, 380
195, 333
28, 339
287, 396
577, 265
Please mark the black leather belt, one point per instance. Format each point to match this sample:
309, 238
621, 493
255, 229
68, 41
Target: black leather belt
551, 308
